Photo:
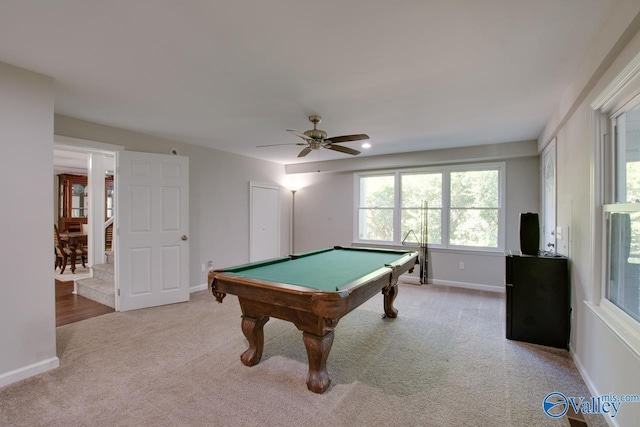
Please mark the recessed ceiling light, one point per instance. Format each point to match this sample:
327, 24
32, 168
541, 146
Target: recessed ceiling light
366, 145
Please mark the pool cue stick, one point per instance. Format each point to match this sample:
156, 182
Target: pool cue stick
424, 270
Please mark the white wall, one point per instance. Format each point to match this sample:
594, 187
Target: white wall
218, 192
325, 209
27, 310
220, 189
324, 212
605, 362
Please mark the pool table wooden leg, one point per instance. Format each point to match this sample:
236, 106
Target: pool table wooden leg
318, 379
253, 331
390, 294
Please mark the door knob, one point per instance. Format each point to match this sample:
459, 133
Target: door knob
184, 237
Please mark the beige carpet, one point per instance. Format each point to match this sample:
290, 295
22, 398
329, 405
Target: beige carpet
443, 362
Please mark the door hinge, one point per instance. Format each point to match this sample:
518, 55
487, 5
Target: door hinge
118, 291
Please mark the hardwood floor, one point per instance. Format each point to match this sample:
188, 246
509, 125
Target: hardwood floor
72, 308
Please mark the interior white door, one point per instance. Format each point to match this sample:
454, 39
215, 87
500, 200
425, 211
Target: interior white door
265, 222
152, 219
549, 197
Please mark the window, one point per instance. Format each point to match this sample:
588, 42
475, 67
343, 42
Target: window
376, 208
622, 215
615, 205
450, 207
420, 191
474, 211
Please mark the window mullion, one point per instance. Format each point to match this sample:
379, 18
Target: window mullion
620, 193
397, 207
609, 160
446, 206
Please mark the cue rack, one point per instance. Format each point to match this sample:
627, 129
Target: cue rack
421, 239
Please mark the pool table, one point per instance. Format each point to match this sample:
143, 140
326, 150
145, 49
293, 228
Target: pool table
313, 291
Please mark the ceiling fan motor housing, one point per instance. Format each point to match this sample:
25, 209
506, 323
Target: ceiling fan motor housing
317, 134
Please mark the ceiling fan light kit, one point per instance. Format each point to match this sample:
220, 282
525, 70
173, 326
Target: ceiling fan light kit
317, 138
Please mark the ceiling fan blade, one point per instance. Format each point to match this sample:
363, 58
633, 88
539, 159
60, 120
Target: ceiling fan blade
347, 138
300, 134
304, 152
274, 145
343, 149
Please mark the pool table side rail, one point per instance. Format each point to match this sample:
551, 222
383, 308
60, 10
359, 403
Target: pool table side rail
257, 264
271, 261
351, 248
362, 289
229, 274
297, 297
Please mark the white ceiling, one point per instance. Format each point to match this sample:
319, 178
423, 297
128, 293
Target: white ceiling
412, 74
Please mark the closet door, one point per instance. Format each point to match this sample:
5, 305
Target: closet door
265, 222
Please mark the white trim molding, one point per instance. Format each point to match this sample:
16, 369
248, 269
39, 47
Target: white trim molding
85, 145
621, 90
624, 330
28, 371
198, 288
414, 280
467, 285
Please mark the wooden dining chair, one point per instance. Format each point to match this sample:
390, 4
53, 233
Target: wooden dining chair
63, 251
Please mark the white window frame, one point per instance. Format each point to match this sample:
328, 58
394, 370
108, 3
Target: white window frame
622, 92
446, 204
356, 210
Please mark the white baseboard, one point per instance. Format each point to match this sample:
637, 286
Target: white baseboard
592, 388
28, 371
466, 285
414, 280
198, 288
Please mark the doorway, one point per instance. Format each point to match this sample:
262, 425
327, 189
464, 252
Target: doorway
81, 205
146, 183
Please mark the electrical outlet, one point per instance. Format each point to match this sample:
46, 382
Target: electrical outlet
461, 265
203, 268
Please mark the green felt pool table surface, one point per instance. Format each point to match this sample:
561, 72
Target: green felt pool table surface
326, 270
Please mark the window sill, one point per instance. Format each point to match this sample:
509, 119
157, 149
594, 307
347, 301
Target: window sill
485, 252
622, 328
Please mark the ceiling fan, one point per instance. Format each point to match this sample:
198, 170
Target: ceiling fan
317, 138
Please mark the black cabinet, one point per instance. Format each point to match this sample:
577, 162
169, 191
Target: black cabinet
538, 308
